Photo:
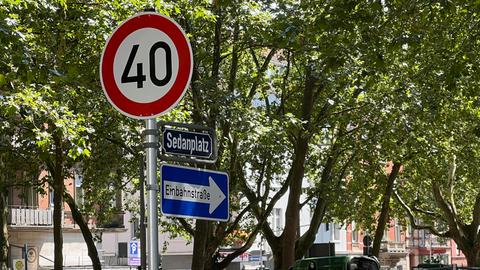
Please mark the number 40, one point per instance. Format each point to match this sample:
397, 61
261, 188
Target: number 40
140, 77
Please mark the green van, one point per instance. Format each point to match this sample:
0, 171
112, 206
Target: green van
337, 263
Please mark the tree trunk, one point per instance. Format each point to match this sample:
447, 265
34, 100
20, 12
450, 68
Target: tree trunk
4, 244
385, 211
200, 244
473, 257
87, 234
56, 170
277, 259
289, 235
307, 239
57, 223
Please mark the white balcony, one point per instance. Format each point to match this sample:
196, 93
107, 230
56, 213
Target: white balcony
30, 217
393, 247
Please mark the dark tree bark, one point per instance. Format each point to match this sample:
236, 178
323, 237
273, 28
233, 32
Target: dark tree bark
4, 244
56, 170
57, 227
307, 239
289, 235
87, 234
200, 243
385, 211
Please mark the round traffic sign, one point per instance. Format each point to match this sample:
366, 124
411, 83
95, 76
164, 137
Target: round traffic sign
146, 65
367, 240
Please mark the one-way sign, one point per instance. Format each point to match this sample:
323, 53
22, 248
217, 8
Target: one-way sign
194, 193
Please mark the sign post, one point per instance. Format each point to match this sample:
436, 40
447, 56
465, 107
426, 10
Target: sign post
145, 69
152, 189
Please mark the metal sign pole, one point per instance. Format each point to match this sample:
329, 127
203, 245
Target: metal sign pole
151, 144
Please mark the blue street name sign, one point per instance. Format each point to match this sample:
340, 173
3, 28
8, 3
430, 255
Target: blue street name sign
187, 143
194, 193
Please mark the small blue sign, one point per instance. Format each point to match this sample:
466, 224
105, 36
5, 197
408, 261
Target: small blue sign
134, 249
187, 143
134, 253
194, 193
254, 258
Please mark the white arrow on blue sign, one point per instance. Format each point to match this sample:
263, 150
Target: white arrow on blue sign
194, 193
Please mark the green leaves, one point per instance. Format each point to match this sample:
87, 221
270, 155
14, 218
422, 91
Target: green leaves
394, 81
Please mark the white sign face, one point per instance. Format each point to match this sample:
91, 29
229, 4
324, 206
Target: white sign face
146, 66
155, 57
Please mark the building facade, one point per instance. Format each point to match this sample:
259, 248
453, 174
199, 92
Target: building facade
401, 248
30, 225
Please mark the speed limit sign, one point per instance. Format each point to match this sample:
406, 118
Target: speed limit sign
146, 66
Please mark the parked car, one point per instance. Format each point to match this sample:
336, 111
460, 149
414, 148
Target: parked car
337, 263
432, 266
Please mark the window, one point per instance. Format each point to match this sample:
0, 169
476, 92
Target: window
78, 189
50, 197
336, 232
354, 233
386, 237
277, 221
421, 238
29, 197
436, 258
398, 232
122, 249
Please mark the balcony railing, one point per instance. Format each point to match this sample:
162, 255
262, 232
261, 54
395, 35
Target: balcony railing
22, 216
30, 217
393, 247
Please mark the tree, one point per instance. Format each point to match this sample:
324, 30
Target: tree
440, 64
312, 90
215, 78
50, 99
425, 64
325, 105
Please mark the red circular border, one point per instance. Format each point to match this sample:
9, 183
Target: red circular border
174, 94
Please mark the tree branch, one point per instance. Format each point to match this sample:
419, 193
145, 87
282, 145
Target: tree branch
186, 226
414, 225
445, 207
237, 220
255, 59
260, 74
451, 180
251, 238
259, 213
428, 213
